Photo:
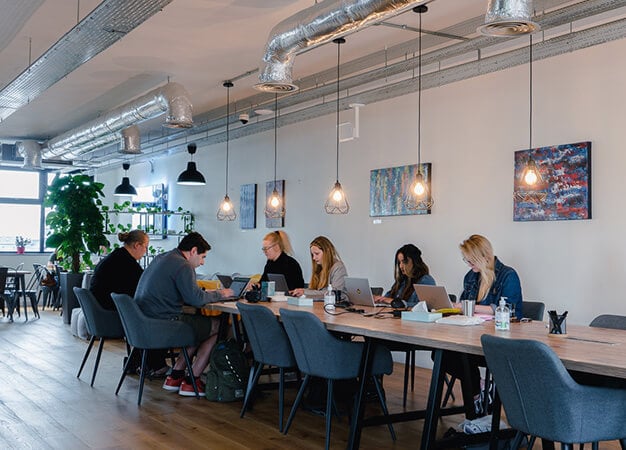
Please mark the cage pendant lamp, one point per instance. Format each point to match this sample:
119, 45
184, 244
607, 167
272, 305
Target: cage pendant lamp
337, 203
275, 206
418, 195
191, 176
125, 188
226, 211
530, 176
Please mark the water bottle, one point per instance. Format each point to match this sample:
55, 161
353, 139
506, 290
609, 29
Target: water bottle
503, 316
329, 298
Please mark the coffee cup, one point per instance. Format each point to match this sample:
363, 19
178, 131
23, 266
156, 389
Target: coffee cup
467, 306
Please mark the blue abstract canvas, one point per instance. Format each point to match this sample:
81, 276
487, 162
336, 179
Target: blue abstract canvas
247, 206
387, 188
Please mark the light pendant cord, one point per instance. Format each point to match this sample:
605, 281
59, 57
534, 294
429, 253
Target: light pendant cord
530, 106
275, 134
228, 86
338, 62
419, 95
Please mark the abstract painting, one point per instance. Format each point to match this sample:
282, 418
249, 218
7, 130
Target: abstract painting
387, 188
269, 188
247, 206
563, 191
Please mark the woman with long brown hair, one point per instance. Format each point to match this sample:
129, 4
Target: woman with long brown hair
327, 269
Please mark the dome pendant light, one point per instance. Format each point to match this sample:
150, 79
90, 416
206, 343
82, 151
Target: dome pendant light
530, 175
125, 188
418, 195
275, 208
191, 176
226, 211
336, 203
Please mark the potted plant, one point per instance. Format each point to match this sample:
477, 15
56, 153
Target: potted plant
76, 229
20, 243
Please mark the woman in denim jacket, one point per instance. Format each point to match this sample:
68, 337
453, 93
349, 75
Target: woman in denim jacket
489, 279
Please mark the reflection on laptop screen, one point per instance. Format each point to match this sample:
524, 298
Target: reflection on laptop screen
280, 280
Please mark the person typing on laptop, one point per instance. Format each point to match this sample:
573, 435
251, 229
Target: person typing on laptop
410, 269
277, 249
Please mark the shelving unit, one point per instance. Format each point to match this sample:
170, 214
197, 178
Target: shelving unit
158, 224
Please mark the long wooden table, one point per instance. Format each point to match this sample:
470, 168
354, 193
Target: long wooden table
586, 349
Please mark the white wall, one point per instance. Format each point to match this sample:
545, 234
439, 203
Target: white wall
470, 130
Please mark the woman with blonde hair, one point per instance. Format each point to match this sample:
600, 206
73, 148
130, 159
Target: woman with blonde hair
277, 249
327, 268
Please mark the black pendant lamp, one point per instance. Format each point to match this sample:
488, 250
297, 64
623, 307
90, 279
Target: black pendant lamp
275, 207
226, 211
125, 188
191, 176
418, 195
336, 203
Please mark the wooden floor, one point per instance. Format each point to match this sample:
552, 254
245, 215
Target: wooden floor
43, 405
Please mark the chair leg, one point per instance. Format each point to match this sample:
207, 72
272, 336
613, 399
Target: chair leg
281, 397
517, 440
190, 369
91, 341
622, 443
119, 385
531, 442
450, 385
142, 376
329, 410
296, 404
33, 303
383, 406
255, 373
95, 367
567, 446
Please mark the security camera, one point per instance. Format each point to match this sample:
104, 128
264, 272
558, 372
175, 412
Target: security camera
244, 118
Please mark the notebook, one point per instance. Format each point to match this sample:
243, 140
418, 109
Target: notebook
360, 293
226, 280
280, 280
435, 297
238, 286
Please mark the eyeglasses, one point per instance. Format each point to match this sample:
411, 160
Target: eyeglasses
264, 249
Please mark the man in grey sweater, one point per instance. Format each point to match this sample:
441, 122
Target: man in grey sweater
168, 283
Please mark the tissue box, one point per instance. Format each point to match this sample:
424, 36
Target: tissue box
420, 316
297, 301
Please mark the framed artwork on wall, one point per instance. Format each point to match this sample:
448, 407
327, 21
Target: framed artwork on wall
563, 187
247, 206
280, 188
387, 188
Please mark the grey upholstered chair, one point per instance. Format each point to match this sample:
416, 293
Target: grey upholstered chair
609, 321
270, 346
533, 310
146, 333
542, 399
320, 354
101, 324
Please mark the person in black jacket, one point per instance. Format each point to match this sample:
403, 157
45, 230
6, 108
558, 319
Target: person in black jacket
277, 248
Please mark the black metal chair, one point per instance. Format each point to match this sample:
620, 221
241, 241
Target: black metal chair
145, 333
541, 399
320, 354
3, 285
270, 346
101, 323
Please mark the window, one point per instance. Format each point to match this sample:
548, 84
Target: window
21, 208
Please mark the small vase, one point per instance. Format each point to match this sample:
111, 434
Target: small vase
21, 250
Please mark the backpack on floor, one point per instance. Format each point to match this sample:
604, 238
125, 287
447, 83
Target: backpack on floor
227, 377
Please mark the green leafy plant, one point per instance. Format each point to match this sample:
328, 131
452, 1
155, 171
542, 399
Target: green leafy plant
76, 223
21, 241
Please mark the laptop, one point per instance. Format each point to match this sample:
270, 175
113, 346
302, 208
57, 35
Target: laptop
238, 286
360, 293
280, 281
226, 280
435, 297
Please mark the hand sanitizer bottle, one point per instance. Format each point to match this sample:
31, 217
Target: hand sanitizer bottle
503, 316
329, 298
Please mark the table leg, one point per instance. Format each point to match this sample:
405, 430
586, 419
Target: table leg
434, 402
354, 440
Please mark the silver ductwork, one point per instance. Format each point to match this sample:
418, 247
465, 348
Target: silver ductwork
506, 18
315, 26
171, 98
31, 152
131, 141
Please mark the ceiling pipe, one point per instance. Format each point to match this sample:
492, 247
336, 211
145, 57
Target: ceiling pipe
171, 98
131, 141
317, 25
31, 152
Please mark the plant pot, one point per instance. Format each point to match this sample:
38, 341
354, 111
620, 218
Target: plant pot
69, 280
20, 250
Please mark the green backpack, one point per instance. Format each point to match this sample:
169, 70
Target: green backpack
227, 377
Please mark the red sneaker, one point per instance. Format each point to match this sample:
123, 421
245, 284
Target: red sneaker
186, 388
173, 384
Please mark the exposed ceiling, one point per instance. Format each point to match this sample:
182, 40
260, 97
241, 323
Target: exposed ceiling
201, 43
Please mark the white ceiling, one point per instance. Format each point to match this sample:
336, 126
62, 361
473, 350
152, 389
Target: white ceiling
197, 43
